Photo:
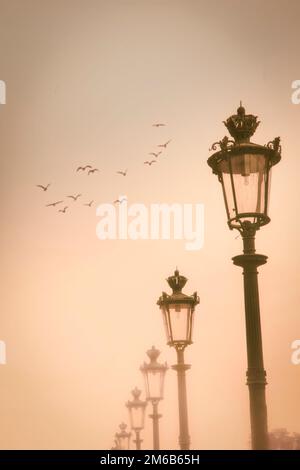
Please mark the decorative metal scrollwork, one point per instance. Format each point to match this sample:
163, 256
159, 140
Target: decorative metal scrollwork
224, 144
274, 145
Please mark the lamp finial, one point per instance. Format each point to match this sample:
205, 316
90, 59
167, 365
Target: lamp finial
241, 126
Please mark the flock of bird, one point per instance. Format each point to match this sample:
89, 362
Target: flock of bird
90, 170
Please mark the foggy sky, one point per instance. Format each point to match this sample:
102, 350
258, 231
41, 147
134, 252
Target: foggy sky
85, 81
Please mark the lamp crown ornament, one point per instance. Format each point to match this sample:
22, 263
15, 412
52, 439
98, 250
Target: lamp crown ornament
153, 354
123, 427
153, 365
177, 282
136, 402
242, 126
136, 393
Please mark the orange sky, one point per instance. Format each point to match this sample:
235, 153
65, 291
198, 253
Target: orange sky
85, 81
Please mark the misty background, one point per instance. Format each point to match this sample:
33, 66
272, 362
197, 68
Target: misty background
85, 81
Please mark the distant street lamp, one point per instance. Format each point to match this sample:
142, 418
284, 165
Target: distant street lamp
178, 316
244, 170
154, 375
136, 408
122, 438
115, 447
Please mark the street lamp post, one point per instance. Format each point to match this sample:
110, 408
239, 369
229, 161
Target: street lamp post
244, 170
154, 375
136, 408
122, 438
178, 316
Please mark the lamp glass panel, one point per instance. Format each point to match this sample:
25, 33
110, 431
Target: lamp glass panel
249, 176
123, 442
155, 378
228, 192
137, 414
166, 322
179, 319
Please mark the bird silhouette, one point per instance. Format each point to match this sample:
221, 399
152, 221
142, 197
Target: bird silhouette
74, 197
89, 204
92, 171
44, 188
83, 168
63, 210
158, 124
123, 173
120, 200
164, 145
54, 203
150, 163
155, 154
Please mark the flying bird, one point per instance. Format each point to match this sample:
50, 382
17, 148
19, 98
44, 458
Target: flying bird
89, 204
158, 124
123, 173
63, 210
74, 197
155, 154
54, 203
120, 200
150, 163
44, 188
92, 171
164, 145
83, 168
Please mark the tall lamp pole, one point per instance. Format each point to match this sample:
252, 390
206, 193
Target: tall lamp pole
178, 316
136, 408
243, 169
154, 375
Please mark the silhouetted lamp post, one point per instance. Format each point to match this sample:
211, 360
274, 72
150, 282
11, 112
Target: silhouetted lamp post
154, 375
178, 316
244, 170
122, 438
136, 408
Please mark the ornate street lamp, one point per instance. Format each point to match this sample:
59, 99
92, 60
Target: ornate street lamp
154, 375
178, 316
122, 438
244, 171
136, 408
115, 447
